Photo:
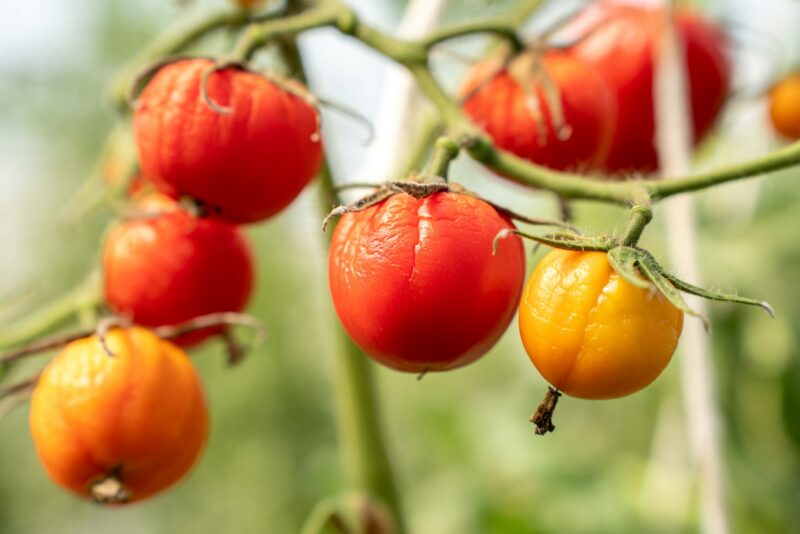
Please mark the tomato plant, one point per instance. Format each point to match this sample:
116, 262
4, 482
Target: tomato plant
166, 266
554, 110
591, 333
424, 275
96, 428
246, 160
621, 42
416, 285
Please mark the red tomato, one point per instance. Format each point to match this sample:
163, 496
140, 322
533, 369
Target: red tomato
502, 107
171, 267
621, 41
415, 283
245, 165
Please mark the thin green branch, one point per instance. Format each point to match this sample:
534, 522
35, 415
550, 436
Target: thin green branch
500, 26
640, 217
446, 151
366, 458
258, 35
54, 314
427, 131
775, 161
567, 185
174, 40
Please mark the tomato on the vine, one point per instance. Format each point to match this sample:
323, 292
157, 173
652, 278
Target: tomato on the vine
572, 134
167, 267
416, 285
621, 42
784, 106
246, 161
591, 333
139, 416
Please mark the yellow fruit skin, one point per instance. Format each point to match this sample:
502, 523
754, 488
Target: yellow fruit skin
592, 334
784, 106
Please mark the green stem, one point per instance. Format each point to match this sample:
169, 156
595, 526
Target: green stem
780, 159
428, 130
500, 26
567, 185
449, 110
640, 217
258, 35
172, 41
446, 151
54, 314
176, 39
365, 455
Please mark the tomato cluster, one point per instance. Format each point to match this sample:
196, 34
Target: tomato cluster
419, 277
590, 107
217, 148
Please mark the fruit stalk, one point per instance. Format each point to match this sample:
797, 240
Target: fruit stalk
446, 151
640, 217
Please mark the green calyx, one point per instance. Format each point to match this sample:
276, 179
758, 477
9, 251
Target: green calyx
639, 267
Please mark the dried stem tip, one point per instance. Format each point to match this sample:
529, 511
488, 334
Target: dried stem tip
109, 490
543, 416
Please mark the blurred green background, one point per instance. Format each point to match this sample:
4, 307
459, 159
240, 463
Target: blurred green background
465, 454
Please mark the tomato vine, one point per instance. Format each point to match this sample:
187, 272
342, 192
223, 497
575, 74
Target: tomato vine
367, 458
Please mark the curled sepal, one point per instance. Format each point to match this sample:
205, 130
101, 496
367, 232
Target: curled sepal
623, 260
713, 295
145, 74
653, 271
384, 191
564, 241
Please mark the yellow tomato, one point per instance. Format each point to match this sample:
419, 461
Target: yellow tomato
784, 106
592, 334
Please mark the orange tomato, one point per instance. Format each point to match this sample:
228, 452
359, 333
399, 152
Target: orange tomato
139, 415
592, 334
784, 106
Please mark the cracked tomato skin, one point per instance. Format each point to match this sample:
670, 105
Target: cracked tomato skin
620, 41
141, 413
245, 165
784, 106
592, 334
416, 285
168, 267
501, 107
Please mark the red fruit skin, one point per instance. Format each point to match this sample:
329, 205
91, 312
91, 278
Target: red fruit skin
246, 165
501, 108
173, 267
416, 285
620, 42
